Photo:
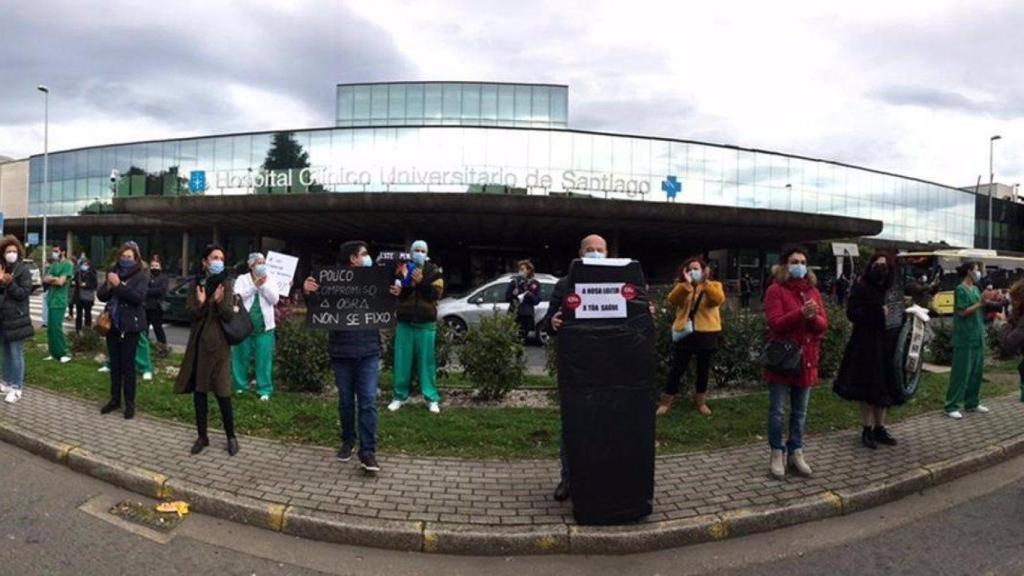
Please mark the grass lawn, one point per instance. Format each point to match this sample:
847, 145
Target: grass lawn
474, 432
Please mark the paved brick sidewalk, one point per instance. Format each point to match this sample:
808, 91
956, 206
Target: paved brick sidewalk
489, 506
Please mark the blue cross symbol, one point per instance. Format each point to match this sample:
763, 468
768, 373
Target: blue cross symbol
197, 181
671, 186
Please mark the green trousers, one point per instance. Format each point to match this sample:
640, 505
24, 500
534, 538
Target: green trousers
414, 348
965, 378
143, 361
58, 346
262, 346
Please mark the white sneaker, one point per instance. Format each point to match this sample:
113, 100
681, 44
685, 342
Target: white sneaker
4, 388
264, 398
980, 409
434, 408
395, 405
13, 396
955, 415
65, 359
147, 375
104, 369
48, 358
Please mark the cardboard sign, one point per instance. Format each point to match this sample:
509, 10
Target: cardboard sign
281, 271
352, 299
600, 300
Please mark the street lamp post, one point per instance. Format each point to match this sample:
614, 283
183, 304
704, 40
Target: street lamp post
991, 181
46, 160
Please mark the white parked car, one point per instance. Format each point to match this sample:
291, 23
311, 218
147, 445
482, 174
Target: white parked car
463, 312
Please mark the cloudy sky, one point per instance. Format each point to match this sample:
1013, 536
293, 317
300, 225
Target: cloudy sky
913, 87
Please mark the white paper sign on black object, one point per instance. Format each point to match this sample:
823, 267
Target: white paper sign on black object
352, 299
601, 300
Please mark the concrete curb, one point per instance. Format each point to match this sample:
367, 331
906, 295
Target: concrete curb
446, 538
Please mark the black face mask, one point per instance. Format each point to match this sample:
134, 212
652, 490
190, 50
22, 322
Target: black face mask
155, 271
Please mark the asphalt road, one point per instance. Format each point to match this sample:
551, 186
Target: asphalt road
972, 526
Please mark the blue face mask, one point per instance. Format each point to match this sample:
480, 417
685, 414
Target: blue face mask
419, 258
696, 275
598, 255
260, 270
367, 261
798, 270
216, 267
126, 263
85, 267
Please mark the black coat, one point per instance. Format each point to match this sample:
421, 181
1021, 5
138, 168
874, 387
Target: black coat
157, 289
868, 372
15, 322
129, 299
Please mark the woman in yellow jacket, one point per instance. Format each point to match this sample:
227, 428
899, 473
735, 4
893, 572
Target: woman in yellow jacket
697, 300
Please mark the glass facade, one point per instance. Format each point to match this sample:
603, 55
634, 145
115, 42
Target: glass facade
452, 104
463, 159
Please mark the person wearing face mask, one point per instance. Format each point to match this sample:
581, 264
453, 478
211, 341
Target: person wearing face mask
207, 364
15, 322
964, 391
795, 313
254, 289
523, 295
697, 300
422, 286
85, 290
58, 278
868, 373
355, 359
125, 294
155, 293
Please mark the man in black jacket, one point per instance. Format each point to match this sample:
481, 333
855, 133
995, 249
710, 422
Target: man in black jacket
355, 358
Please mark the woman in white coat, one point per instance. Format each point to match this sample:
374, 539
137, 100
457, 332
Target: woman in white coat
258, 298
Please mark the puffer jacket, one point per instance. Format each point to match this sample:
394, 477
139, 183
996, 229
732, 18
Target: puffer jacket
15, 322
782, 308
127, 301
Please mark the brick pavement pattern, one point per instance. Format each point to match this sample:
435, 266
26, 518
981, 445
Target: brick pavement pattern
460, 494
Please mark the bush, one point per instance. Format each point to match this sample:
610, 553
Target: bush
940, 349
88, 341
743, 336
995, 344
444, 349
834, 343
301, 362
493, 357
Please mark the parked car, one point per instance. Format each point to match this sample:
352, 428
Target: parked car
463, 312
174, 303
37, 277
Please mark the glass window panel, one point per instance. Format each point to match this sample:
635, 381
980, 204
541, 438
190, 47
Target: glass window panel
695, 163
677, 160
396, 103
522, 103
414, 103
241, 152
432, 106
138, 156
379, 102
360, 103
320, 148
222, 158
660, 158
451, 107
82, 189
506, 102
471, 102
475, 147
541, 107
602, 153
154, 161
622, 155
170, 155
95, 163
187, 156
641, 161
205, 154
540, 149
559, 104
561, 152
489, 102
582, 149
345, 102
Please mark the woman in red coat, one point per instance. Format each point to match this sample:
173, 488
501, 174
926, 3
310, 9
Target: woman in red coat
795, 312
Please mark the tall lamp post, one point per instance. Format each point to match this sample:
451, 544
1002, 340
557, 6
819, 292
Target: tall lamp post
46, 160
991, 181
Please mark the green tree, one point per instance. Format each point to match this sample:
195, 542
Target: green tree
286, 154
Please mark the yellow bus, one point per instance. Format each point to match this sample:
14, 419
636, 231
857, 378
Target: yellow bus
998, 270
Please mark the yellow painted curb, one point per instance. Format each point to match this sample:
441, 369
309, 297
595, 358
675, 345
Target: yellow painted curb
275, 520
720, 530
429, 541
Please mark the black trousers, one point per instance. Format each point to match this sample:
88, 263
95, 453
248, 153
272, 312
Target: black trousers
681, 361
121, 349
227, 414
525, 325
155, 318
83, 317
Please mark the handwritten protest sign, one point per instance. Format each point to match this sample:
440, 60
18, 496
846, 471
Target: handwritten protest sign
352, 299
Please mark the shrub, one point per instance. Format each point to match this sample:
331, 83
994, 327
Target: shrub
493, 357
743, 336
941, 346
88, 341
834, 342
995, 344
301, 362
444, 348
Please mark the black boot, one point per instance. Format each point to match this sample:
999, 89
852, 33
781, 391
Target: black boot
562, 492
882, 436
110, 407
201, 442
232, 446
129, 411
867, 438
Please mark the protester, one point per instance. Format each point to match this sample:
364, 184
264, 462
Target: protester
595, 247
869, 373
523, 296
73, 290
1012, 335
746, 288
207, 364
842, 288
15, 322
85, 285
994, 302
125, 294
155, 294
968, 345
697, 300
355, 358
422, 286
251, 287
795, 313
58, 278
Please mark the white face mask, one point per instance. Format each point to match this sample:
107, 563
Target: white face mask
11, 257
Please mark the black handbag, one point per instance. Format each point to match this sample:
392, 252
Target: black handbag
240, 326
782, 357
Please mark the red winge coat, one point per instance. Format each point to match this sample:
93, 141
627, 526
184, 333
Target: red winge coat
782, 309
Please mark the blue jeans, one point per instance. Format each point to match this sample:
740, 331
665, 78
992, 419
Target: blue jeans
14, 363
778, 396
356, 379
